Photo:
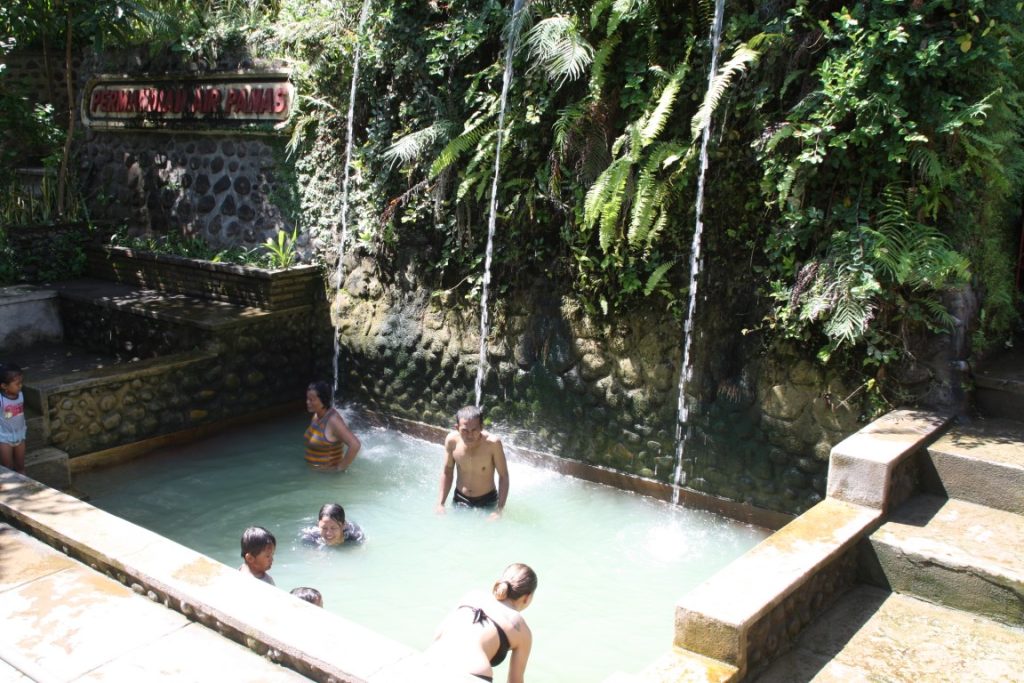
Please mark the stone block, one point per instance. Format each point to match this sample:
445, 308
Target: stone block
30, 316
955, 553
49, 466
861, 466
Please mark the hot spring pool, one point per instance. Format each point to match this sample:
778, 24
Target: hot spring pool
610, 564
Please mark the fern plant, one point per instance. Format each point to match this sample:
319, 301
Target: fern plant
897, 263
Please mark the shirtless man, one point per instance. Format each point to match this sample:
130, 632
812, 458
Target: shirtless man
476, 455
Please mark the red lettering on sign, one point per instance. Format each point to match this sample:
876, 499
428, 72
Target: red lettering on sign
280, 99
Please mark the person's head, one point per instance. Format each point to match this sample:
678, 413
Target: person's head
258, 546
516, 582
310, 595
331, 522
318, 396
470, 423
11, 377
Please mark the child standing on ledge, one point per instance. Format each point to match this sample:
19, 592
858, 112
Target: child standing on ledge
258, 546
12, 418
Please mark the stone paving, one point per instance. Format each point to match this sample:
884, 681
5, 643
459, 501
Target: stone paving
69, 617
874, 635
66, 622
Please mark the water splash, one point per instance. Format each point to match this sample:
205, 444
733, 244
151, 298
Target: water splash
506, 83
685, 371
343, 238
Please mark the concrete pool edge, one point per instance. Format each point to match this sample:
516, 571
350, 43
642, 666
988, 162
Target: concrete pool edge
315, 643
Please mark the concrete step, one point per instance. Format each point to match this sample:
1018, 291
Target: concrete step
954, 553
982, 462
999, 386
48, 466
873, 635
37, 436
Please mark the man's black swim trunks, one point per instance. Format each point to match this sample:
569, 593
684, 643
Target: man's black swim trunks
485, 501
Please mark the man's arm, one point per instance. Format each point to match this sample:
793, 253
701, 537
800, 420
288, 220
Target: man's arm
447, 474
501, 467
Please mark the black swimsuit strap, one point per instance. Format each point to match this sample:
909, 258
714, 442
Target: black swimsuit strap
479, 617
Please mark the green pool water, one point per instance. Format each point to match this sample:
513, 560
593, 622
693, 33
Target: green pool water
611, 564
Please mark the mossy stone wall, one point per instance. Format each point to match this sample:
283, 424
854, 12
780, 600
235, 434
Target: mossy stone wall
600, 392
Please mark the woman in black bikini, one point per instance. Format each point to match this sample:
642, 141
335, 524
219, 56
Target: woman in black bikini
483, 629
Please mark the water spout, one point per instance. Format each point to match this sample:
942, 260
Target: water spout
343, 237
685, 371
506, 84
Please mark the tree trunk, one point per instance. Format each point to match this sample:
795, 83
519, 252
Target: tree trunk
47, 67
65, 161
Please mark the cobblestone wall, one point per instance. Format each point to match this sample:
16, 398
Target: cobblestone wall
222, 188
602, 393
142, 401
185, 377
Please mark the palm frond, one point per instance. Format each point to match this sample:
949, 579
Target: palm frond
969, 115
657, 276
929, 167
850, 316
597, 10
624, 10
557, 46
741, 59
599, 193
476, 171
566, 122
410, 147
653, 124
612, 208
601, 58
468, 139
518, 23
647, 203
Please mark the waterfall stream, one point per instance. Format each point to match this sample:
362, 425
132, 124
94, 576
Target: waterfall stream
343, 237
685, 371
506, 84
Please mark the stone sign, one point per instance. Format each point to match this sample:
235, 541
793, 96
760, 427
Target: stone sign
249, 102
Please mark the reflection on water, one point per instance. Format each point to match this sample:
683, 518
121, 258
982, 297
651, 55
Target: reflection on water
610, 564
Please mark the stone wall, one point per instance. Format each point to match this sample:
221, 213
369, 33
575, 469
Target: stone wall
228, 187
140, 401
600, 392
172, 376
223, 188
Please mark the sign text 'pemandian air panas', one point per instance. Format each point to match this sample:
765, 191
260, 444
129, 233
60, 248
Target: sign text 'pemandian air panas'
253, 102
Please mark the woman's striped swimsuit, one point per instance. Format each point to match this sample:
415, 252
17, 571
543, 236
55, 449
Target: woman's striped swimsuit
320, 451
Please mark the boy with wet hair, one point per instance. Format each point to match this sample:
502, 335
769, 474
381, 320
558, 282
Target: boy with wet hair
310, 595
472, 457
258, 546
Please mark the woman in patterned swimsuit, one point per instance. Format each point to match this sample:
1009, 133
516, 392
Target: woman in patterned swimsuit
330, 444
483, 629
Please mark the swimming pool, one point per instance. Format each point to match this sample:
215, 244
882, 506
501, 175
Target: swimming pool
610, 564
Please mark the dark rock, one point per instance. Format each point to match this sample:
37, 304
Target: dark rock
206, 204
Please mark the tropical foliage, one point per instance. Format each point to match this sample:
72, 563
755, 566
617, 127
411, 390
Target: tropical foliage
865, 157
